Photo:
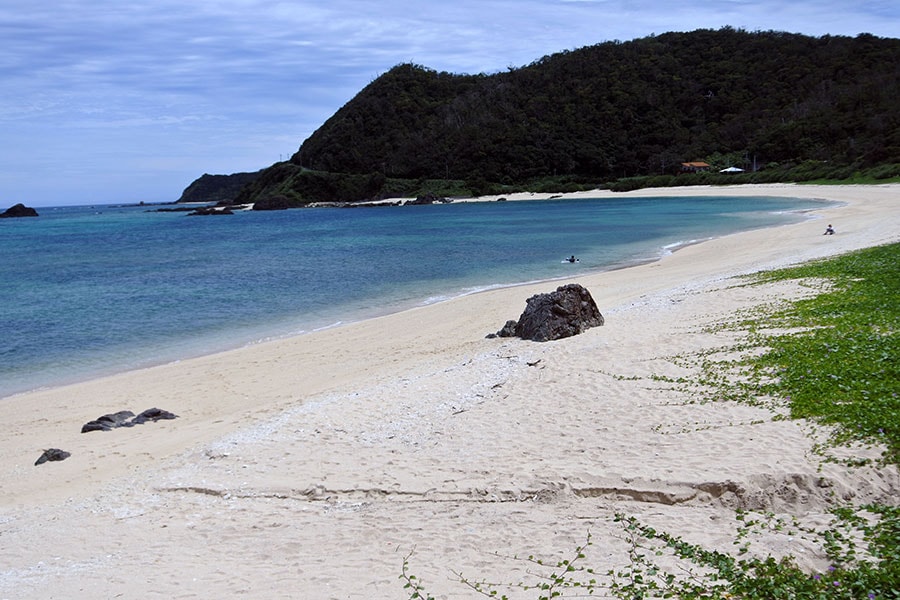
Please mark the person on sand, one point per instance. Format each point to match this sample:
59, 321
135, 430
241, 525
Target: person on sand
829, 230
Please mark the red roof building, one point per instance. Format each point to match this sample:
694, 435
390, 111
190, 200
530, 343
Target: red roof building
694, 167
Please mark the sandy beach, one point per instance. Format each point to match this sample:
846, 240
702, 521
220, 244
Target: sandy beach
311, 467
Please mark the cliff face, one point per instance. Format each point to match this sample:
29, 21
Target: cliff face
217, 188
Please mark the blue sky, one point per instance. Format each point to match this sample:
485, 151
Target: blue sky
108, 101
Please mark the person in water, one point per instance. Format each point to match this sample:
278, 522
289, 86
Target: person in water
572, 259
829, 230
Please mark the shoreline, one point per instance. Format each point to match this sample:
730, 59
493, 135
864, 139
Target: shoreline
215, 342
839, 194
317, 462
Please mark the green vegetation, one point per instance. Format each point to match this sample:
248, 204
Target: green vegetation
837, 363
862, 545
216, 188
617, 115
832, 358
624, 110
299, 186
811, 172
843, 369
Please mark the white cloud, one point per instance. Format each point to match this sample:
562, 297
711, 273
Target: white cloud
111, 87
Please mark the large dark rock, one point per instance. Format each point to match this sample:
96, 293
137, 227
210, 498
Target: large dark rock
154, 415
568, 311
19, 210
107, 422
126, 418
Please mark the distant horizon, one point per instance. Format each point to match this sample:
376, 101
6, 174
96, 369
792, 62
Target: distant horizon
128, 104
4, 207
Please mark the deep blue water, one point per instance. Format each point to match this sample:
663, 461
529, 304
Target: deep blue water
86, 291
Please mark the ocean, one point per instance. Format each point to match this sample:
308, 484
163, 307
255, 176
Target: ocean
87, 291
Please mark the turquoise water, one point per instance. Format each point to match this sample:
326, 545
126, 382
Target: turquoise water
86, 291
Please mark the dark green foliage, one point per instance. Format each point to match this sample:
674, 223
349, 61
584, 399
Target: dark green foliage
783, 107
628, 109
300, 186
217, 188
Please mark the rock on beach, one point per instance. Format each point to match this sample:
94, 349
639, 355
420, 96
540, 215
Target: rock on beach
568, 311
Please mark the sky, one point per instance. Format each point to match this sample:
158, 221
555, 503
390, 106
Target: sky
108, 101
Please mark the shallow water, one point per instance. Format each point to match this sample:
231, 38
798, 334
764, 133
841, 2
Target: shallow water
93, 290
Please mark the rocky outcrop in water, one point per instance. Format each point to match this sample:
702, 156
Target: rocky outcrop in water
428, 198
277, 202
19, 210
568, 311
205, 211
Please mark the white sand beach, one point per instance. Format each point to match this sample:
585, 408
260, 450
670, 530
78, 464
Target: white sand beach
310, 467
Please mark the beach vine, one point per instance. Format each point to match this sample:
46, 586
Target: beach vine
833, 359
860, 544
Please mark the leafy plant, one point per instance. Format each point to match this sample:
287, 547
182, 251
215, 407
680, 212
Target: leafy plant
551, 580
861, 545
412, 584
868, 568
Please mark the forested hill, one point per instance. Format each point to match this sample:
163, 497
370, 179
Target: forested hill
618, 109
216, 188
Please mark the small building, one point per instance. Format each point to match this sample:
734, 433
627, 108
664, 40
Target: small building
694, 167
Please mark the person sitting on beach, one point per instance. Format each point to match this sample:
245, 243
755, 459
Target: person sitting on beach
829, 230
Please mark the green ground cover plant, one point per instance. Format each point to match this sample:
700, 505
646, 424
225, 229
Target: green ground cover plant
831, 358
842, 368
861, 545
